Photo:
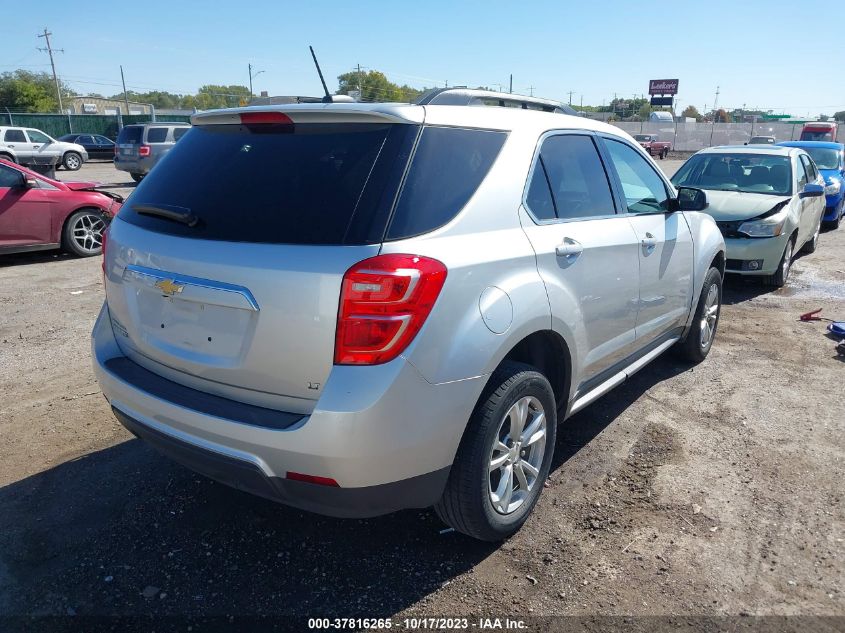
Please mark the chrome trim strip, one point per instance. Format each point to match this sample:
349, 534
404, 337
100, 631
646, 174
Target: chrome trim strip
198, 282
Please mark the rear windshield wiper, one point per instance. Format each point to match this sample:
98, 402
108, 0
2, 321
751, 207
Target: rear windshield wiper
177, 214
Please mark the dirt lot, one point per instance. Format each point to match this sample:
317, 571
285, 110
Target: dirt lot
710, 491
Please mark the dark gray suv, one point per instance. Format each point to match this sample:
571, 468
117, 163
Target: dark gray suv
140, 147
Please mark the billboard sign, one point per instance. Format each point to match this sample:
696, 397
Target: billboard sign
663, 87
661, 101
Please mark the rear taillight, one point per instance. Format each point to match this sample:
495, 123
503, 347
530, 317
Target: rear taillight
144, 150
116, 151
384, 302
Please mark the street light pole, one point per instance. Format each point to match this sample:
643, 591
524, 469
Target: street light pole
251, 75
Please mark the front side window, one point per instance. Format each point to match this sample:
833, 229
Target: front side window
38, 137
644, 190
156, 135
575, 175
9, 177
102, 140
14, 136
809, 169
803, 176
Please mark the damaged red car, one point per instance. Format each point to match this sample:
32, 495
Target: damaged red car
39, 213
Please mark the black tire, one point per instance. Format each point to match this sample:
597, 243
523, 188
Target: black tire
779, 279
811, 245
137, 177
834, 224
8, 157
467, 504
83, 245
694, 348
72, 161
663, 154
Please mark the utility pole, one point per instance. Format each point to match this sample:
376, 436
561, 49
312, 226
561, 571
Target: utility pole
716, 100
360, 88
531, 91
46, 35
125, 97
571, 92
251, 76
582, 102
510, 89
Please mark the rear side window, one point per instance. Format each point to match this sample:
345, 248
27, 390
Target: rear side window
156, 135
448, 166
305, 184
14, 136
179, 132
131, 134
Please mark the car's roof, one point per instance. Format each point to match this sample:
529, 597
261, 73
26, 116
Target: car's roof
771, 150
484, 117
813, 144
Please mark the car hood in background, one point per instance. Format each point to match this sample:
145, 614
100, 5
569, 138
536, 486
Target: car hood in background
726, 206
830, 174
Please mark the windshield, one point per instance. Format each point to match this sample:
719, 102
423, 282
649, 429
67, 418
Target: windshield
825, 158
749, 173
814, 135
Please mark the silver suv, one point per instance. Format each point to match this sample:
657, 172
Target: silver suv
355, 309
33, 147
140, 147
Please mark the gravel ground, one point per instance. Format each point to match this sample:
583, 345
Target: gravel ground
707, 491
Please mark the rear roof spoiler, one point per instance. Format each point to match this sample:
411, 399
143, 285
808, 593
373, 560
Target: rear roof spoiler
473, 97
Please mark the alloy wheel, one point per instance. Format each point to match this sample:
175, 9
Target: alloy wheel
517, 455
709, 316
87, 232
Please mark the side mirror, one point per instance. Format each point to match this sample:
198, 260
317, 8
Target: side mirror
691, 199
812, 190
27, 182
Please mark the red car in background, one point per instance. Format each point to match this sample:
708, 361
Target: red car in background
38, 213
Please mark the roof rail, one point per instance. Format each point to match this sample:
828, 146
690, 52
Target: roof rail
470, 97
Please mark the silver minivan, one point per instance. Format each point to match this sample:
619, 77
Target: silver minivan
360, 308
140, 146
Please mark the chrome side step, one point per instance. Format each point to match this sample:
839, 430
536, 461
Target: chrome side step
617, 379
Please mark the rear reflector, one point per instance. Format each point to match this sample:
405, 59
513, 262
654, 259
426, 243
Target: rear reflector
384, 302
313, 479
265, 118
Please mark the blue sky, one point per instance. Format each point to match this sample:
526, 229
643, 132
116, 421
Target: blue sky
759, 53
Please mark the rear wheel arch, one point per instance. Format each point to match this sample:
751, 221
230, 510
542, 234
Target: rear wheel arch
547, 351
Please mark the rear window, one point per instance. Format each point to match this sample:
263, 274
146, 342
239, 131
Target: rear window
449, 165
179, 132
156, 135
131, 134
305, 184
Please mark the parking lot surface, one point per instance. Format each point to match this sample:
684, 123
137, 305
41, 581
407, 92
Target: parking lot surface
708, 490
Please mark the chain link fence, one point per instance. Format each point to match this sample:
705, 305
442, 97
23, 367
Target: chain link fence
691, 137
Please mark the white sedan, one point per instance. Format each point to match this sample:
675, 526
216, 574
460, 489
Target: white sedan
767, 201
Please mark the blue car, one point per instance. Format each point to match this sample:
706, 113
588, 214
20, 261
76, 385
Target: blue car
830, 159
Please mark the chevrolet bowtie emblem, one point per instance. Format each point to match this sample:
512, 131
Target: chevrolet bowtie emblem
169, 287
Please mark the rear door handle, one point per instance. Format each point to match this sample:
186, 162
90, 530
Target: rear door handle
569, 248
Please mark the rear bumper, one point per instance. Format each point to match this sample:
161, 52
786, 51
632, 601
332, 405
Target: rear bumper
133, 165
383, 433
367, 501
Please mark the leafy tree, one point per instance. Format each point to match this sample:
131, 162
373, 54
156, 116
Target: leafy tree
692, 112
24, 91
644, 111
839, 116
374, 86
721, 116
